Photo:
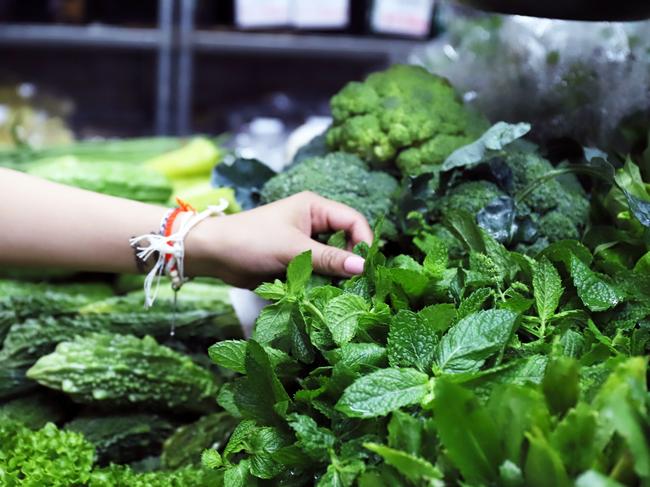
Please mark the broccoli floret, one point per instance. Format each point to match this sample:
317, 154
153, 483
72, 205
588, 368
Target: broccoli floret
561, 205
555, 226
404, 116
341, 177
471, 197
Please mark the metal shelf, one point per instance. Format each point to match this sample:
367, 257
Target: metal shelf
176, 40
298, 44
82, 36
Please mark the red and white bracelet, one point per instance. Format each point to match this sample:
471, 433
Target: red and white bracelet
170, 247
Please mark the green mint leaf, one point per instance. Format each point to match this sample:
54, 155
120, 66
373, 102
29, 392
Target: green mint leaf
226, 399
405, 432
342, 316
261, 445
473, 339
355, 359
544, 465
314, 440
382, 392
238, 475
412, 282
231, 354
240, 434
467, 432
621, 407
561, 384
341, 473
301, 347
211, 459
354, 356
573, 344
409, 275
437, 258
563, 250
578, 427
411, 341
483, 270
594, 291
516, 302
259, 395
464, 227
272, 291
474, 302
298, 273
547, 289
412, 467
515, 410
338, 240
273, 322
439, 316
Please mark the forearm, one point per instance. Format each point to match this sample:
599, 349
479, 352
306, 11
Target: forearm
46, 224
51, 225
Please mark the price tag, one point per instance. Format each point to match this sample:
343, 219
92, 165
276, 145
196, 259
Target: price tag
402, 17
320, 14
262, 13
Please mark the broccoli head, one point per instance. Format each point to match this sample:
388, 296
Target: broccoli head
470, 196
554, 209
341, 177
560, 205
404, 116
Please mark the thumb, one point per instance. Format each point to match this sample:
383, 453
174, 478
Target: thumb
335, 262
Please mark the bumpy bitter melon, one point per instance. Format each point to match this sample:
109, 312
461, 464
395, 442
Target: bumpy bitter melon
122, 438
120, 370
184, 447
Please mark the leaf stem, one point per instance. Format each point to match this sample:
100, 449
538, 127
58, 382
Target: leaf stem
310, 306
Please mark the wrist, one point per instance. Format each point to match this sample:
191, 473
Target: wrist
203, 249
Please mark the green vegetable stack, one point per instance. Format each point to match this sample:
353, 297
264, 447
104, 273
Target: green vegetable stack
125, 392
499, 335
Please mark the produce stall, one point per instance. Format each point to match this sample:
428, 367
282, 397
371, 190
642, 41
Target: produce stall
499, 334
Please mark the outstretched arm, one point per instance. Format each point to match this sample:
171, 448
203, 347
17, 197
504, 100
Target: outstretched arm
50, 225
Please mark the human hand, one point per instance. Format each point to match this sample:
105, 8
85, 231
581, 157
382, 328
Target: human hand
253, 246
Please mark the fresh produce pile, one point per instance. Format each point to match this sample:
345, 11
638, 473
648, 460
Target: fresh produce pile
499, 334
111, 374
499, 337
94, 388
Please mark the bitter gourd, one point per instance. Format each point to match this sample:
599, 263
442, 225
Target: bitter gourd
33, 410
20, 300
187, 443
120, 370
122, 438
202, 310
114, 178
26, 342
13, 379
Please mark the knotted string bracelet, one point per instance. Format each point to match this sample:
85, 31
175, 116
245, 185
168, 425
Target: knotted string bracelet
169, 248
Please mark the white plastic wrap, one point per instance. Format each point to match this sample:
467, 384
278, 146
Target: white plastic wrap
575, 79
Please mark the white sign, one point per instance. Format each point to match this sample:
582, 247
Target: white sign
402, 17
262, 13
320, 14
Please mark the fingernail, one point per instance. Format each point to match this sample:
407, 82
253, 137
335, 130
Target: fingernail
353, 264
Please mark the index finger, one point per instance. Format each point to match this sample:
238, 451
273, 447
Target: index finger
328, 215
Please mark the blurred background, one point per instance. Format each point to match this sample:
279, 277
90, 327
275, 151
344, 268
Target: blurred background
79, 69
